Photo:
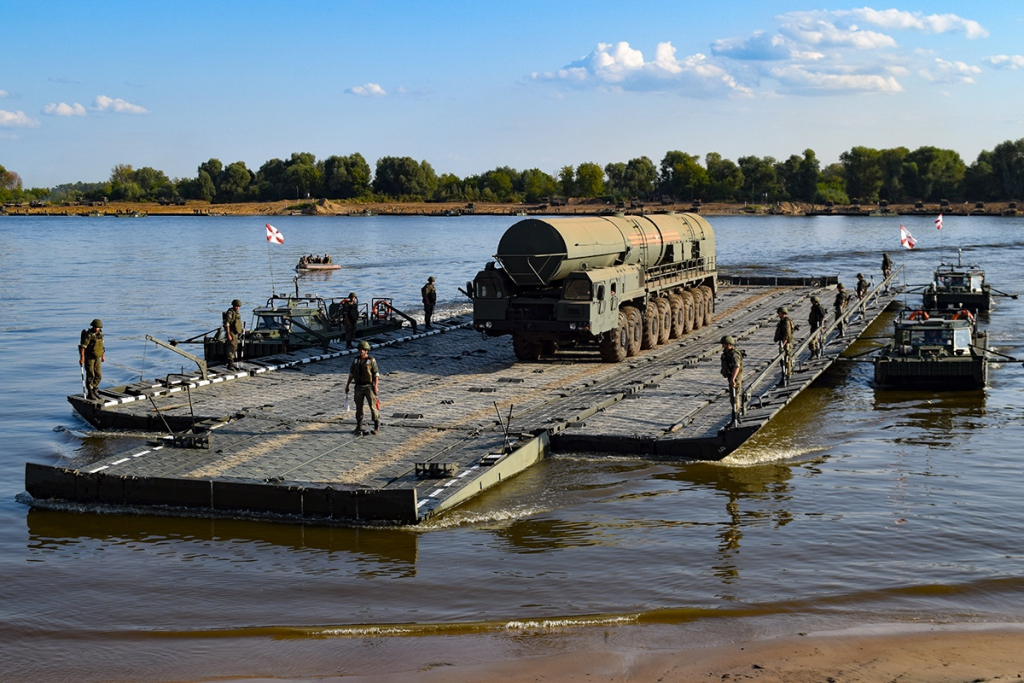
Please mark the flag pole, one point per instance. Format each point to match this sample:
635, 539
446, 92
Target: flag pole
270, 260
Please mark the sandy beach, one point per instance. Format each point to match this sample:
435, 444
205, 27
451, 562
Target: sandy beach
925, 654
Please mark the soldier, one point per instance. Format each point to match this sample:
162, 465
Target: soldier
839, 306
862, 286
233, 328
429, 294
350, 317
732, 370
364, 373
91, 358
816, 320
886, 268
784, 335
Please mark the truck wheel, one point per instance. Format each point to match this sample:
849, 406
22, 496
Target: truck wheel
675, 303
698, 308
615, 343
525, 348
709, 304
548, 348
635, 324
652, 330
664, 321
687, 300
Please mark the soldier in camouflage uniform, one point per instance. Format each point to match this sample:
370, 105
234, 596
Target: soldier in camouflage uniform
816, 320
732, 370
839, 306
784, 336
350, 317
91, 357
364, 373
233, 329
429, 293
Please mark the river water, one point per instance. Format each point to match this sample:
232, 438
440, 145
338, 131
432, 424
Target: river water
856, 506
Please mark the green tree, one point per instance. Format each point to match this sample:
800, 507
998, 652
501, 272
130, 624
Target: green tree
567, 181
537, 185
760, 180
832, 186
682, 176
940, 173
980, 181
1008, 165
234, 183
346, 177
862, 171
726, 178
895, 172
404, 177
589, 180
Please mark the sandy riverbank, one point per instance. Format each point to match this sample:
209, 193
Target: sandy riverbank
929, 654
324, 207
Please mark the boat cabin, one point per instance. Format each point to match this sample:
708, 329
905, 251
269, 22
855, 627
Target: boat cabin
958, 286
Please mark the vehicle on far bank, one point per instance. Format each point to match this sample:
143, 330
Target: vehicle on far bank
624, 283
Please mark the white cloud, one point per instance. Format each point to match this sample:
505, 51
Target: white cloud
622, 67
368, 90
931, 23
798, 79
1012, 62
118, 106
818, 29
64, 109
16, 118
760, 46
943, 71
3, 93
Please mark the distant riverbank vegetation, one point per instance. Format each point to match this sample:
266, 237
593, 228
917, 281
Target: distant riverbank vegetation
863, 174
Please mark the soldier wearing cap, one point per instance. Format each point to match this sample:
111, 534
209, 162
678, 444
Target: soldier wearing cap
784, 336
350, 317
886, 267
732, 370
862, 286
91, 357
429, 293
365, 375
816, 320
839, 306
233, 329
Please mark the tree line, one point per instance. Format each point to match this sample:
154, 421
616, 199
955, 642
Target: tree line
864, 174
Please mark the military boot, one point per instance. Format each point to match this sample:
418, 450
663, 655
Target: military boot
359, 428
376, 426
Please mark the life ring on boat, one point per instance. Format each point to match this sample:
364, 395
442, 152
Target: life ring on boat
964, 313
923, 315
381, 310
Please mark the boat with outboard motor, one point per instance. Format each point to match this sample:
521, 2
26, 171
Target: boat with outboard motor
934, 351
958, 286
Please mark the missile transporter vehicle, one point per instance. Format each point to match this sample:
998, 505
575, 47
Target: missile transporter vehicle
625, 283
934, 352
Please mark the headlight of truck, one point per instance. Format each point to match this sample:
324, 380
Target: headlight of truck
572, 326
488, 324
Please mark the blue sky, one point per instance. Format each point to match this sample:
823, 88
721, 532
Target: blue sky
469, 86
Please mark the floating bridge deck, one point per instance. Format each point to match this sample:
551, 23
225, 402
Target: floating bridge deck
281, 441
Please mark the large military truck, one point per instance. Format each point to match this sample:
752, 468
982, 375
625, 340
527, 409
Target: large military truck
625, 283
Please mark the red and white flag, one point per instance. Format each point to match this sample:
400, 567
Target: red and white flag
906, 239
274, 235
938, 222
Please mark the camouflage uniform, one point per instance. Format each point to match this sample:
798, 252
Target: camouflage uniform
784, 335
429, 293
862, 286
816, 320
732, 360
91, 355
234, 329
839, 305
364, 373
350, 317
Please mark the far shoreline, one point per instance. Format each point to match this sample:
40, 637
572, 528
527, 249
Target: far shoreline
325, 207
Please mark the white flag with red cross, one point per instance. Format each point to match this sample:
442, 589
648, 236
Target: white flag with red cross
274, 235
906, 239
938, 222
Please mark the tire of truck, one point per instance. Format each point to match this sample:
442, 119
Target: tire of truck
664, 321
698, 308
614, 344
635, 325
709, 304
652, 328
548, 348
525, 348
687, 300
675, 303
